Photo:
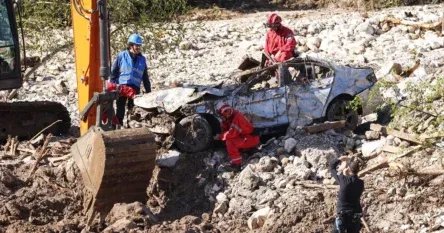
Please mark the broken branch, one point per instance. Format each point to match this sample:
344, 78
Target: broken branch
365, 224
43, 130
427, 26
42, 152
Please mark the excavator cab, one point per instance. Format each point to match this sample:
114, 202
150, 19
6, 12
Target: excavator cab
10, 73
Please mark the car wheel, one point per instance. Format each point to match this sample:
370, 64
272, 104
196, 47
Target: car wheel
193, 134
338, 111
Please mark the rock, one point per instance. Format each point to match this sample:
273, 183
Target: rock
280, 151
390, 140
300, 172
221, 208
221, 197
7, 178
168, 160
267, 164
371, 135
60, 87
369, 147
248, 177
365, 27
266, 176
404, 144
290, 145
258, 218
349, 144
185, 45
131, 210
285, 161
121, 225
397, 141
71, 171
314, 41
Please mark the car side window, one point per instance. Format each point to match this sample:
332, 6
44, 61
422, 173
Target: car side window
300, 73
322, 72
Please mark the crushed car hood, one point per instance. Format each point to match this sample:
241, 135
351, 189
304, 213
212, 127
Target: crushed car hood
172, 99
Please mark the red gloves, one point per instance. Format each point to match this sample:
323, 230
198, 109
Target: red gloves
124, 91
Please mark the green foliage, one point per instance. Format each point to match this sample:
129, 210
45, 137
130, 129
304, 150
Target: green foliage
43, 19
424, 102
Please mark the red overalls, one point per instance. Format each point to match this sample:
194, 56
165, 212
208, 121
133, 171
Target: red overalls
236, 132
281, 40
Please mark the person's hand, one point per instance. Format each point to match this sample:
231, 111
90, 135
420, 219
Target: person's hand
343, 158
217, 137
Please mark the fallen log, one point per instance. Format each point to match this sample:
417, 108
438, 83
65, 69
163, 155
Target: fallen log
385, 162
324, 126
422, 25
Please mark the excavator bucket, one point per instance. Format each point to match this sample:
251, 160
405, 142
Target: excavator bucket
116, 167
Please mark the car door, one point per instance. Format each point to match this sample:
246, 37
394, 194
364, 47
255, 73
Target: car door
307, 93
264, 107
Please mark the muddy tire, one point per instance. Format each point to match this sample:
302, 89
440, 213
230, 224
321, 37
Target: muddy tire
338, 111
193, 134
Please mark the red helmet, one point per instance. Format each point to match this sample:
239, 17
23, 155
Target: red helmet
225, 110
273, 20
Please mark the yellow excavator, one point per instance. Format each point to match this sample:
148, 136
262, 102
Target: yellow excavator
116, 165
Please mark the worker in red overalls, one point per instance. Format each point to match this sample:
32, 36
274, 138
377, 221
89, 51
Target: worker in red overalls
280, 41
237, 132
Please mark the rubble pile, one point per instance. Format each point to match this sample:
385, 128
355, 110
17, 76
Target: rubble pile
285, 186
40, 194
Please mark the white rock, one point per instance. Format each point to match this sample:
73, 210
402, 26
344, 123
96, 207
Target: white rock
258, 218
371, 135
221, 208
370, 147
316, 41
221, 197
267, 164
168, 160
365, 27
290, 145
248, 177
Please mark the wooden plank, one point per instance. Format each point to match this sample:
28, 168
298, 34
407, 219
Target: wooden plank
405, 136
396, 133
324, 126
392, 149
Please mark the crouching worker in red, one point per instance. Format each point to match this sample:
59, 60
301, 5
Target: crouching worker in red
237, 132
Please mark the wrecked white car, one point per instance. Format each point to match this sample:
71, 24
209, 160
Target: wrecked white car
309, 90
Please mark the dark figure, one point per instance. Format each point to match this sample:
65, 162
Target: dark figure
350, 190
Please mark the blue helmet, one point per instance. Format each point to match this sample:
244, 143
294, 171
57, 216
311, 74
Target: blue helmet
135, 39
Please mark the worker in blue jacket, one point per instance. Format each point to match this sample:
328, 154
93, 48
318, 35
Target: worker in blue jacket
130, 69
